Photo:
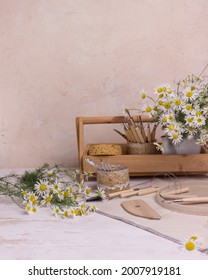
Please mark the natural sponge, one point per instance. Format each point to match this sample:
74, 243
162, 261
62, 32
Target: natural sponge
105, 150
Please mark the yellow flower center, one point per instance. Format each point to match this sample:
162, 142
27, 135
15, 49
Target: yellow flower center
198, 114
66, 214
170, 91
189, 120
175, 136
160, 102
164, 89
189, 94
161, 95
188, 107
167, 105
190, 246
56, 186
76, 211
143, 95
82, 186
66, 194
28, 208
34, 210
148, 109
164, 119
199, 120
43, 187
170, 118
190, 128
35, 202
171, 126
32, 197
48, 199
87, 191
178, 102
193, 88
24, 193
159, 90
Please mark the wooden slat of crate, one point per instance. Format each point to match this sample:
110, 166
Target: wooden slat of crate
151, 164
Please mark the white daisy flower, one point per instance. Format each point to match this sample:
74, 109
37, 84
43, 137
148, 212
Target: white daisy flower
66, 213
57, 211
42, 187
199, 121
143, 94
60, 194
177, 103
87, 190
163, 119
159, 147
31, 197
147, 109
46, 200
72, 212
187, 108
189, 95
101, 192
189, 119
176, 137
87, 174
190, 244
56, 186
170, 127
170, 118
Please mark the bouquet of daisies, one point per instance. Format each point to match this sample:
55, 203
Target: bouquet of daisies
181, 111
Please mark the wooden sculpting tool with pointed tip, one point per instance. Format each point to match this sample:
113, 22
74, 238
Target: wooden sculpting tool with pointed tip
141, 209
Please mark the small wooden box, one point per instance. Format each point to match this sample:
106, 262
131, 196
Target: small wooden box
140, 165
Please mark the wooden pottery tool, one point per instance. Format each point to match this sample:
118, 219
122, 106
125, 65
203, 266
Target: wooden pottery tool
191, 200
116, 194
141, 209
177, 191
139, 192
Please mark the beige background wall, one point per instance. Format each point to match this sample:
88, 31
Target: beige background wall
65, 58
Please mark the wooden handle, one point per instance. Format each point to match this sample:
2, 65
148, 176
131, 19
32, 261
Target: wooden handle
195, 200
140, 192
127, 194
115, 194
182, 190
147, 191
177, 196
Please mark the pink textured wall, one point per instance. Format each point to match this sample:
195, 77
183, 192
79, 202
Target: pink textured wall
67, 58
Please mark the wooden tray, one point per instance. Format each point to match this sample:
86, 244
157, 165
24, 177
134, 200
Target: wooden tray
139, 165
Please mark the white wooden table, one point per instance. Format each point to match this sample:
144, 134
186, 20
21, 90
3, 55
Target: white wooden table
44, 236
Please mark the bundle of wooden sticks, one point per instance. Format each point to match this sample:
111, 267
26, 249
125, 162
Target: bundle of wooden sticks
137, 132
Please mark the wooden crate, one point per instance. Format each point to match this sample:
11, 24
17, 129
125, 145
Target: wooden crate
139, 165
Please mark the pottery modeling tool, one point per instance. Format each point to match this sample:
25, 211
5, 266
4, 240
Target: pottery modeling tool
191, 200
140, 192
141, 209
